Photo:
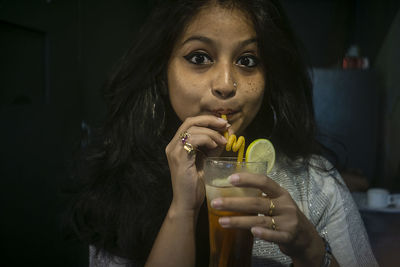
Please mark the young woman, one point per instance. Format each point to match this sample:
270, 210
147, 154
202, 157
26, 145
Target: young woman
141, 201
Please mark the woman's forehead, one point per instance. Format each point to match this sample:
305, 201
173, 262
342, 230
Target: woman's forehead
215, 21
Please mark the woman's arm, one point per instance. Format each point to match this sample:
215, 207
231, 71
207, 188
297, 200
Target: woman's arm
175, 242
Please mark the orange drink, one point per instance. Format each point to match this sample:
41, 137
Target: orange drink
228, 247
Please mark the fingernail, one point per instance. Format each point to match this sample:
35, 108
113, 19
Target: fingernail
223, 221
216, 203
224, 139
221, 119
256, 231
228, 125
234, 178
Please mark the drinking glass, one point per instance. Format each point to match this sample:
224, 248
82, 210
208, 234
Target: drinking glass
228, 247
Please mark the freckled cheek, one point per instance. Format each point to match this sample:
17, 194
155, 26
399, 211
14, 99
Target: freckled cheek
255, 91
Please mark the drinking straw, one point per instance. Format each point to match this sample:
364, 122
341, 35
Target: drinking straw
233, 143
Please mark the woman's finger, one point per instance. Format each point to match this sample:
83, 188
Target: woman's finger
207, 121
275, 236
213, 134
198, 142
246, 222
271, 229
202, 140
254, 205
197, 135
262, 182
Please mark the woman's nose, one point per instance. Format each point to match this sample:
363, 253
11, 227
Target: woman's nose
224, 86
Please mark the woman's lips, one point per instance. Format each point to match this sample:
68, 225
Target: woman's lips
228, 112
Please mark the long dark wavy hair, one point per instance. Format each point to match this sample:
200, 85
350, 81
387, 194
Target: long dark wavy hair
124, 180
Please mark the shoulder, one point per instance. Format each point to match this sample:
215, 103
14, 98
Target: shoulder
316, 175
315, 185
324, 174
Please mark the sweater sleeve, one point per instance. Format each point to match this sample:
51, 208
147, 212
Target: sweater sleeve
342, 224
104, 259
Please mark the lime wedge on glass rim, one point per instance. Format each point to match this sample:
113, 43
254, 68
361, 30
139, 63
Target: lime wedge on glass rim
261, 150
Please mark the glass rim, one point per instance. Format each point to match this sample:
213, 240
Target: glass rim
232, 160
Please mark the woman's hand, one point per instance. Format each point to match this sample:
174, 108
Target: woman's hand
205, 136
294, 233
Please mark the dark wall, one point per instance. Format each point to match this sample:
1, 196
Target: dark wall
327, 28
54, 58
39, 117
107, 31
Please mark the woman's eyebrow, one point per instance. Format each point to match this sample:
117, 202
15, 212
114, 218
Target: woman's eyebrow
211, 42
198, 38
247, 42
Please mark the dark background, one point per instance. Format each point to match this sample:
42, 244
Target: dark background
56, 54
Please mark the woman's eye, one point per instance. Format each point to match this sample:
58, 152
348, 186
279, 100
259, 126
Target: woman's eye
198, 59
247, 61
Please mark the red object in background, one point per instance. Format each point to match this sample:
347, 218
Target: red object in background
355, 63
353, 59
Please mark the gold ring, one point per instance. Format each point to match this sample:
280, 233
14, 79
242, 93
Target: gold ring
184, 136
273, 224
271, 207
189, 149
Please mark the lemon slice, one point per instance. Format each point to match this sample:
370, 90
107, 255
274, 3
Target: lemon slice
261, 150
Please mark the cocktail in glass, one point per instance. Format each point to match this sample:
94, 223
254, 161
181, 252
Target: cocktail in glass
228, 247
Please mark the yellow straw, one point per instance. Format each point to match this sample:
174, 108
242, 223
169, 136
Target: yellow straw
234, 144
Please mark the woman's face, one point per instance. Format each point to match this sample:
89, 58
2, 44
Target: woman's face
215, 68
